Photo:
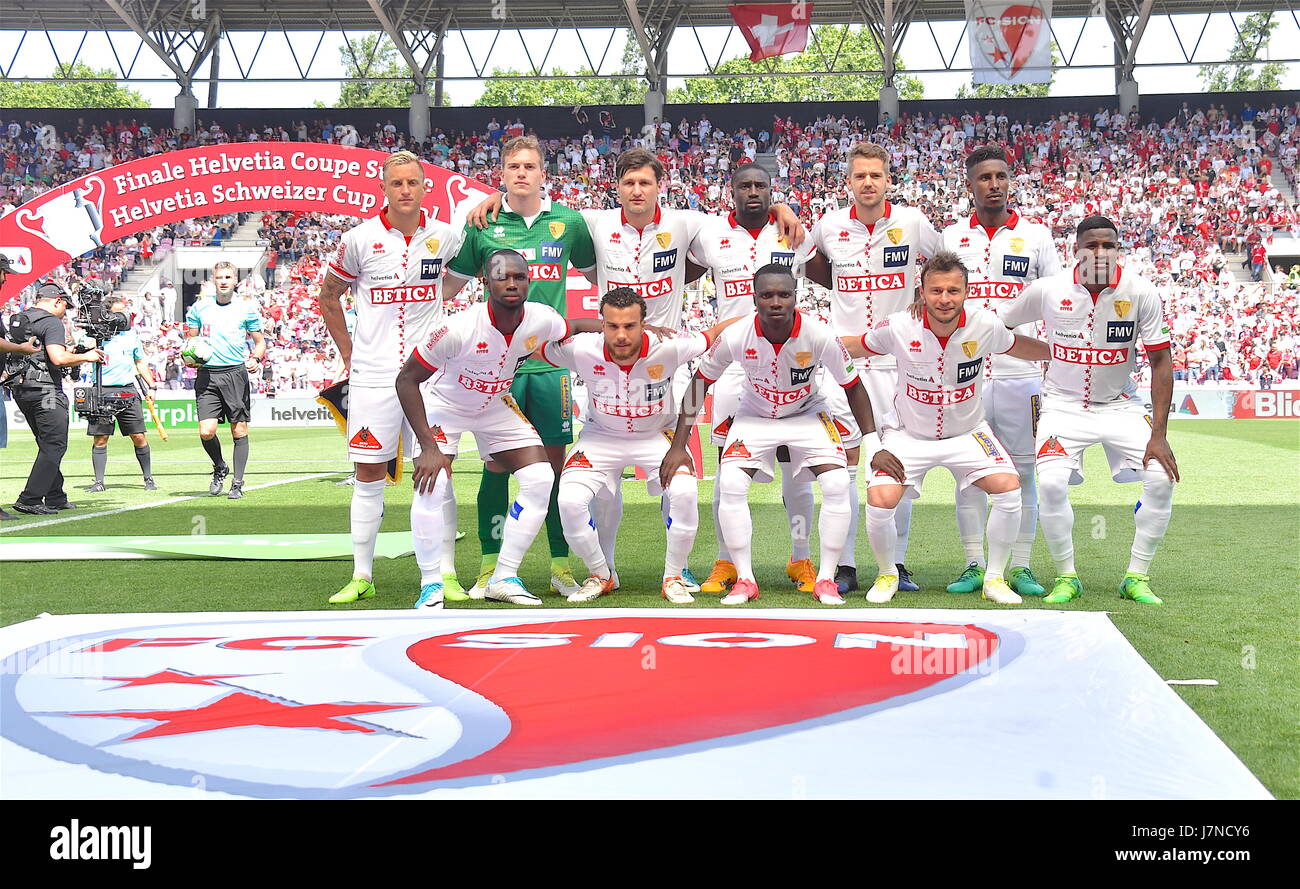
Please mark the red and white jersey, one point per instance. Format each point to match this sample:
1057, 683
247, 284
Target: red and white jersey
940, 379
1093, 341
652, 260
396, 288
1002, 263
733, 253
627, 399
873, 267
780, 377
474, 363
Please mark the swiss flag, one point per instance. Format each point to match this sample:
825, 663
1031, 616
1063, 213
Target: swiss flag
773, 29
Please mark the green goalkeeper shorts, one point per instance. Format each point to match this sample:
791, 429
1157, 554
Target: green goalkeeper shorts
546, 399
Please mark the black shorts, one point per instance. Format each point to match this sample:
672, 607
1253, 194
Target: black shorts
223, 393
130, 419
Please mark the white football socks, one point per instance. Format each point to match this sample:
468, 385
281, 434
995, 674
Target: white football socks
883, 533
724, 554
833, 522
448, 530
903, 529
683, 521
798, 499
1151, 518
734, 521
524, 518
849, 554
1057, 516
1022, 548
575, 502
972, 504
1004, 524
427, 521
366, 514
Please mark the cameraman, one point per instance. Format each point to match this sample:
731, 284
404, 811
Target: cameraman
124, 358
39, 395
7, 348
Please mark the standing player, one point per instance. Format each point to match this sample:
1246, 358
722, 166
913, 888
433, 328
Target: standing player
1095, 316
867, 255
1003, 253
938, 417
732, 250
125, 359
221, 389
782, 406
475, 355
551, 237
393, 263
629, 375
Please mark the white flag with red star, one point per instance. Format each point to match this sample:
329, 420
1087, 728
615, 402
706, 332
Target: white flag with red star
1010, 42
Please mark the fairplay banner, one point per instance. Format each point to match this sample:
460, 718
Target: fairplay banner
115, 202
1010, 42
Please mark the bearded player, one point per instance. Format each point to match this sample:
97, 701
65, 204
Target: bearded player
781, 406
629, 374
1095, 316
393, 264
938, 417
1003, 253
867, 256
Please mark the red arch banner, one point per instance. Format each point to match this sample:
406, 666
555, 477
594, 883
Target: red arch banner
115, 202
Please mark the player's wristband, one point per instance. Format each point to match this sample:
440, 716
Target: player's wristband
871, 444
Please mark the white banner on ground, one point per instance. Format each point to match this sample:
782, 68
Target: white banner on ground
1010, 42
610, 703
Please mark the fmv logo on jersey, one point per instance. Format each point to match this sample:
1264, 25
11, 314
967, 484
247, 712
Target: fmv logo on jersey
968, 370
665, 260
896, 256
1119, 331
1015, 265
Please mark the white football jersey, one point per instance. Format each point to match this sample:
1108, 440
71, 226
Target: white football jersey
396, 288
1001, 265
940, 379
627, 399
652, 261
474, 363
873, 267
780, 377
1093, 342
733, 253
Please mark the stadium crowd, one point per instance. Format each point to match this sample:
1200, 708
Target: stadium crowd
1189, 191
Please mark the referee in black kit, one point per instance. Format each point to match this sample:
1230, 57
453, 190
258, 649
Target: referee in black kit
38, 392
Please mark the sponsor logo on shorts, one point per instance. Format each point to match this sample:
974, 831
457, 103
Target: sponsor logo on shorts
724, 427
1015, 265
779, 397
969, 370
871, 283
896, 256
940, 397
994, 289
577, 460
1080, 355
439, 436
665, 261
416, 293
364, 440
831, 427
487, 387
736, 450
1119, 331
1051, 448
987, 444
800, 375
430, 269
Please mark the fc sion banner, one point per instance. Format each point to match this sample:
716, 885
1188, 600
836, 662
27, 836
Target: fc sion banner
109, 204
1010, 42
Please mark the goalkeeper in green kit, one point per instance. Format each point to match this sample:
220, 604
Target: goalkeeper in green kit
551, 237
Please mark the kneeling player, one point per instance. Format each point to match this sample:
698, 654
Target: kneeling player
781, 406
629, 374
940, 421
474, 356
1096, 314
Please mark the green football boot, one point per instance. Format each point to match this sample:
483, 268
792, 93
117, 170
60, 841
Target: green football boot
971, 580
1138, 588
1022, 580
1064, 588
452, 591
357, 588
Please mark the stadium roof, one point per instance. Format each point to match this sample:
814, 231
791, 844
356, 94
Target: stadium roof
361, 15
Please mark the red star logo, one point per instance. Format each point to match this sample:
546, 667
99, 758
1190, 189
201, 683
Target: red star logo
238, 709
169, 677
999, 55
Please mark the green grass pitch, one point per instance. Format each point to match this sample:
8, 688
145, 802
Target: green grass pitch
1229, 569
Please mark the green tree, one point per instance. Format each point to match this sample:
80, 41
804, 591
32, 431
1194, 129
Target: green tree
1011, 90
856, 52
105, 94
526, 89
374, 56
1252, 36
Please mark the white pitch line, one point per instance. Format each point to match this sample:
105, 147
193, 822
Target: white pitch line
94, 515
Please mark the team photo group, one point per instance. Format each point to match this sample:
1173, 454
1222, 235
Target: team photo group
978, 349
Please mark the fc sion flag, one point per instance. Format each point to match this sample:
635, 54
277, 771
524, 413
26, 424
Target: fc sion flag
773, 29
1010, 42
